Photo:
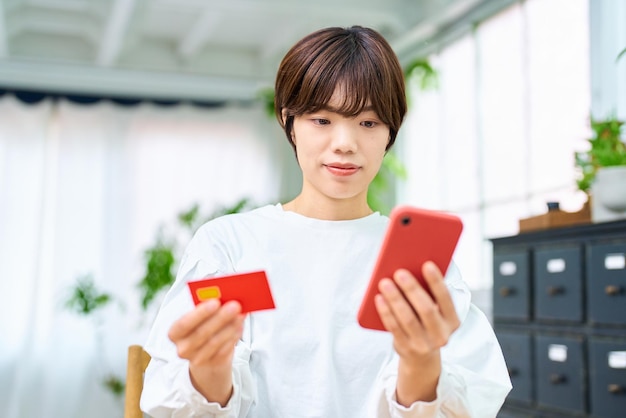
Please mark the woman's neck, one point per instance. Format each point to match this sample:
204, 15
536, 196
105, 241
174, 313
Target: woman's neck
328, 209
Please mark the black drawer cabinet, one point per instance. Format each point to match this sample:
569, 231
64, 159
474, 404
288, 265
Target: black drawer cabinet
607, 376
511, 285
560, 372
606, 282
517, 349
558, 284
559, 311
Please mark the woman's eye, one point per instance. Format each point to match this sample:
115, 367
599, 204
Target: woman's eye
320, 121
368, 124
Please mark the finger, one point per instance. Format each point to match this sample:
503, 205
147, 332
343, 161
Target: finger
228, 346
222, 343
190, 321
434, 279
226, 316
412, 289
424, 306
399, 307
438, 325
388, 319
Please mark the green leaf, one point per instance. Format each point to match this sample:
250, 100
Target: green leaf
266, 96
606, 150
159, 273
382, 183
85, 298
421, 72
115, 385
239, 206
189, 217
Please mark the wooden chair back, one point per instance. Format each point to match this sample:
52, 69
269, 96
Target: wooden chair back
136, 364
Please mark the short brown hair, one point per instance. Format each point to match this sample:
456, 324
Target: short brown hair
357, 59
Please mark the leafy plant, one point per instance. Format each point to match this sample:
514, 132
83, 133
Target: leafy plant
85, 298
421, 72
606, 150
161, 258
115, 385
391, 168
159, 274
266, 96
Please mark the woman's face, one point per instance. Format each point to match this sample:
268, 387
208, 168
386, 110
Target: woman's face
339, 156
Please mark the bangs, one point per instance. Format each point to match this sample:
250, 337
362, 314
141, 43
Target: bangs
353, 98
344, 68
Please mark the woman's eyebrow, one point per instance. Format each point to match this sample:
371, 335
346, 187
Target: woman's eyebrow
336, 110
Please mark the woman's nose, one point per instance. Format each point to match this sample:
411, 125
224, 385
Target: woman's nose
344, 139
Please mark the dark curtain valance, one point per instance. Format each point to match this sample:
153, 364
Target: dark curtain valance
36, 96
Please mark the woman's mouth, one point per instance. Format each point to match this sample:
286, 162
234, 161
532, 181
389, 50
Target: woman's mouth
341, 169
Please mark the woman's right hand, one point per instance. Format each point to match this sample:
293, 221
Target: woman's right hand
206, 337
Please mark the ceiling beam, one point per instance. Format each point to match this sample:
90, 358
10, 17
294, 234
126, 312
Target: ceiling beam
199, 32
115, 31
26, 74
62, 5
277, 47
430, 26
444, 27
4, 48
289, 7
83, 29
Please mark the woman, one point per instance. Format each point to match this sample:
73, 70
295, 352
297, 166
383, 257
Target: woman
340, 99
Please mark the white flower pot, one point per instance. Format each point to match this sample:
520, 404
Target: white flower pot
609, 194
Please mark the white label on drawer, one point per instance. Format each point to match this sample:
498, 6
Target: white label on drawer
617, 359
556, 265
557, 352
615, 262
508, 268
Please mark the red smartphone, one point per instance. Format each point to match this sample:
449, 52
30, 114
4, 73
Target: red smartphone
251, 290
413, 237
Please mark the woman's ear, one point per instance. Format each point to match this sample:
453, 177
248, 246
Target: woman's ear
287, 122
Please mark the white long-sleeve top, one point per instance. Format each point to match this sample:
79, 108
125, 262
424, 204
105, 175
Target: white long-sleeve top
309, 357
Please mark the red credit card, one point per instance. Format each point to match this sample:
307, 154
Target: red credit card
251, 290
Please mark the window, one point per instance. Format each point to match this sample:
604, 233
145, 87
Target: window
496, 140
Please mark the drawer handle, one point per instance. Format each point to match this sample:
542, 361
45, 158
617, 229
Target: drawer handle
507, 291
555, 290
612, 290
557, 379
615, 389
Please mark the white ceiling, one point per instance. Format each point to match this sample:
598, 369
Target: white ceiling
196, 49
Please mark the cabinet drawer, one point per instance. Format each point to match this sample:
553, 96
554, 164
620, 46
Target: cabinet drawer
558, 284
517, 349
559, 372
511, 286
607, 375
606, 283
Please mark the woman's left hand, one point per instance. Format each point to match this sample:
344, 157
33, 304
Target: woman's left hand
420, 325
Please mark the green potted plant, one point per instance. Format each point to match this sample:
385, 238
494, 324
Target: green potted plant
161, 259
602, 170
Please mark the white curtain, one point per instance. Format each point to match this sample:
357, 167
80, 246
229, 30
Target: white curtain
83, 191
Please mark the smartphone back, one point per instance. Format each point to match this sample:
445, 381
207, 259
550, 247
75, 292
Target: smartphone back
413, 237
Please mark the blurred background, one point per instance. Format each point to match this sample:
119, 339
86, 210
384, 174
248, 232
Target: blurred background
124, 124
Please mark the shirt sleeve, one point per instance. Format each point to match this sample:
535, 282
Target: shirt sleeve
474, 380
168, 391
